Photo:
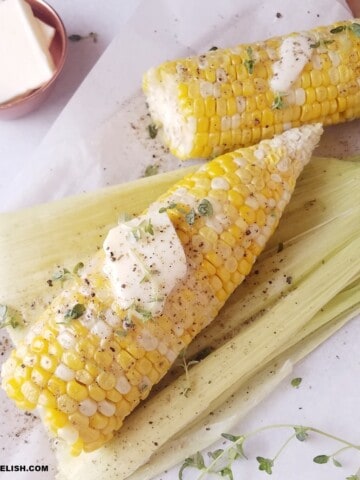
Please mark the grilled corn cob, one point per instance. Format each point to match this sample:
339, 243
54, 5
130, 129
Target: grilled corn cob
87, 362
230, 98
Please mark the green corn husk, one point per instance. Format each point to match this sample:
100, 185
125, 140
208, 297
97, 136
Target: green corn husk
314, 245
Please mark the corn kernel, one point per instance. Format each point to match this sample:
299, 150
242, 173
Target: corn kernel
221, 295
48, 363
56, 386
133, 397
55, 418
67, 404
106, 380
55, 349
125, 360
77, 419
113, 395
96, 393
104, 358
30, 391
143, 365
133, 376
72, 360
88, 434
76, 391
38, 345
47, 399
98, 421
84, 377
92, 368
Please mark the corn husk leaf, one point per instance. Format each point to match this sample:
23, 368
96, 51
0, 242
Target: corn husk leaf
66, 232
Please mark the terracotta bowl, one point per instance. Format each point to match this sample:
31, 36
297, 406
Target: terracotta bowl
22, 106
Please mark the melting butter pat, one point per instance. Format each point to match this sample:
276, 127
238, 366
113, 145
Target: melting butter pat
25, 60
144, 261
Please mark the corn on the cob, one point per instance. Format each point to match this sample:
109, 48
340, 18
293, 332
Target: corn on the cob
230, 98
89, 373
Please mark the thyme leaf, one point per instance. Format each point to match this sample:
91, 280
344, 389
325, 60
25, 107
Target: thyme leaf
78, 267
338, 29
295, 382
321, 459
190, 217
145, 314
75, 312
301, 433
205, 208
278, 102
151, 170
212, 49
265, 464
249, 63
153, 130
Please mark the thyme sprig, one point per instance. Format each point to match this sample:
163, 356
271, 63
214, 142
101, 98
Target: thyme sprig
221, 460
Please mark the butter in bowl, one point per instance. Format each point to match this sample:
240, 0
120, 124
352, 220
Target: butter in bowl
33, 45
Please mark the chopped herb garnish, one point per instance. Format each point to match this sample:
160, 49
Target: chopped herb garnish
75, 312
148, 227
151, 170
212, 49
205, 208
295, 382
144, 227
250, 62
354, 28
75, 37
172, 206
190, 217
78, 267
278, 102
338, 29
320, 43
145, 314
9, 318
153, 130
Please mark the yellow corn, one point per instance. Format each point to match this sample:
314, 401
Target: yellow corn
87, 383
225, 99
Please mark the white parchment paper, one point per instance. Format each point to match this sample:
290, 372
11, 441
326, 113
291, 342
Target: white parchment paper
101, 136
101, 139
